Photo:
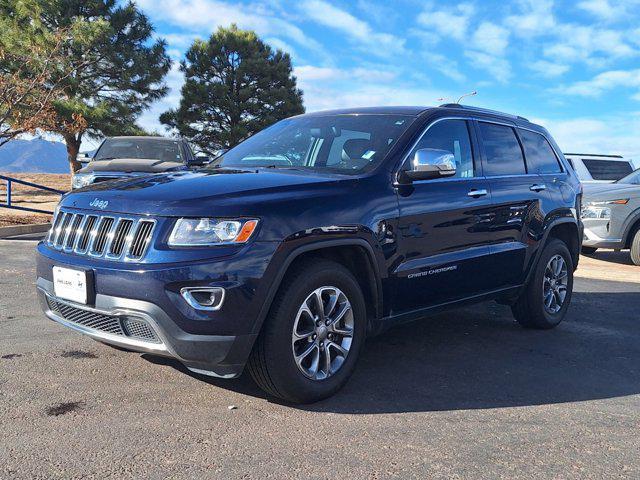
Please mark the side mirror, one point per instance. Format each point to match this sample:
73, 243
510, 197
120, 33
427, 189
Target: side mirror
83, 158
429, 163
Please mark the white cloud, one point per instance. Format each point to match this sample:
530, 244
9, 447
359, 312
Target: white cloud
499, 68
445, 65
307, 74
491, 38
319, 11
548, 69
210, 14
327, 88
595, 46
610, 135
450, 22
603, 82
535, 18
605, 9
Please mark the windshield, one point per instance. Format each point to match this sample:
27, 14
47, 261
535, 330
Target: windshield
147, 148
347, 144
631, 179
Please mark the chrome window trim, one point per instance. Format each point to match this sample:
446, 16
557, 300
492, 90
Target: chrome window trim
513, 125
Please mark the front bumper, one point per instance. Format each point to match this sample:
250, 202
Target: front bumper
597, 234
107, 320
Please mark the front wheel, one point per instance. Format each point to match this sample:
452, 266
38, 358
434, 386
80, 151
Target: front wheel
312, 336
544, 302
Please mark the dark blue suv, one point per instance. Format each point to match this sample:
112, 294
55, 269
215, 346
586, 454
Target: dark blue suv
286, 252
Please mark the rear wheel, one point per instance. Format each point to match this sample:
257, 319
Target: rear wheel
312, 336
544, 302
589, 250
635, 248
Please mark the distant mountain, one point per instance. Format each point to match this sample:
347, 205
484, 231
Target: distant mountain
34, 156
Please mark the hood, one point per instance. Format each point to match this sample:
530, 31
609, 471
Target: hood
606, 191
222, 192
128, 165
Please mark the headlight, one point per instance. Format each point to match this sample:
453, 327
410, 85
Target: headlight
82, 179
600, 209
592, 211
211, 231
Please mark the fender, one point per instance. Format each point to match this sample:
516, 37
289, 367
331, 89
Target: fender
314, 246
543, 241
630, 223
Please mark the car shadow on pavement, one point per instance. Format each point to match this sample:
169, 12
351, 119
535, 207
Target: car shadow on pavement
478, 358
621, 257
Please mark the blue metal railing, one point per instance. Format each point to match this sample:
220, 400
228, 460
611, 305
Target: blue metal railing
9, 204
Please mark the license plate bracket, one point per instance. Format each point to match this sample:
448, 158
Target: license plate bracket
73, 284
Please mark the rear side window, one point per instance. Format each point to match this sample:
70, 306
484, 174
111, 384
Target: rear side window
540, 156
502, 149
607, 169
451, 136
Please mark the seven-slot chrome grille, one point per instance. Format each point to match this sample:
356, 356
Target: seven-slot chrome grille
113, 237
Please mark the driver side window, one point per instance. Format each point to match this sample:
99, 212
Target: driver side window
452, 136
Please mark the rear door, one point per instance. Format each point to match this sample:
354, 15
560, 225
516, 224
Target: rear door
517, 201
443, 233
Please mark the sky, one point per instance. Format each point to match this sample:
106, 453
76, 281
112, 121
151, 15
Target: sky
572, 66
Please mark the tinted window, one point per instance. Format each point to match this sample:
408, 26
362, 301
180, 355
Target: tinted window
540, 156
607, 169
501, 146
140, 148
453, 137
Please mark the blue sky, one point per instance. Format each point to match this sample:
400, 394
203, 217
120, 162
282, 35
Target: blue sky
572, 66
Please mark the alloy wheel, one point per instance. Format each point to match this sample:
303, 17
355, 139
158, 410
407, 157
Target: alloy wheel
554, 286
322, 333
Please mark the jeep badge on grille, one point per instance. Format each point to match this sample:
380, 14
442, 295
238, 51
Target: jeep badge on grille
97, 203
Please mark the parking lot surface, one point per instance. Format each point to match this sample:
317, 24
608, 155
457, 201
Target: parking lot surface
465, 394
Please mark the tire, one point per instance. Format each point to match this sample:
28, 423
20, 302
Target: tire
530, 309
589, 250
272, 364
635, 248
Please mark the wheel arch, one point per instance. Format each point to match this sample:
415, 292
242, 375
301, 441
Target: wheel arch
632, 227
355, 253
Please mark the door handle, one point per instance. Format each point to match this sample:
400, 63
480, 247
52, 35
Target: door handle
538, 187
477, 193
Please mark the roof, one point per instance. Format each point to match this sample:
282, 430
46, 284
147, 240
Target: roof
416, 111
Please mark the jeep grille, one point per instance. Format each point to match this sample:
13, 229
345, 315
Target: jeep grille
113, 237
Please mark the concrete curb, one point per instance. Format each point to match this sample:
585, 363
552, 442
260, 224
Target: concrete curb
12, 231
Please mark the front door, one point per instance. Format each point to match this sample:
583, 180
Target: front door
443, 237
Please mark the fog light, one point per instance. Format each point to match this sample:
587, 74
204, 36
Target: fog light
203, 298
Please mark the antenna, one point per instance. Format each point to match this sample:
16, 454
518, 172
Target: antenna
470, 94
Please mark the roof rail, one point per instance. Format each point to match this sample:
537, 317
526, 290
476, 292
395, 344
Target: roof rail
593, 155
482, 110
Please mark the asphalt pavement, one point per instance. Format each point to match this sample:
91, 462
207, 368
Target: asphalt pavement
464, 394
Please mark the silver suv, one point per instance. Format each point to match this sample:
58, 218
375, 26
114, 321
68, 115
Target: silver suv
611, 216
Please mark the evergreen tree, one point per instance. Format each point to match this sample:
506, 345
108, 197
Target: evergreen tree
235, 86
117, 67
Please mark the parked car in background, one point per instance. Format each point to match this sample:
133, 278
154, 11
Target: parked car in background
593, 168
121, 157
288, 250
611, 216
